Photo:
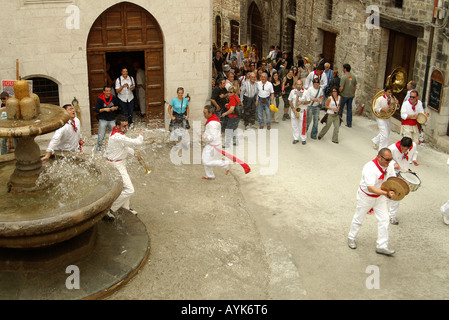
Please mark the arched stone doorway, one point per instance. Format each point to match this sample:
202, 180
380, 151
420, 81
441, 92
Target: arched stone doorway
256, 28
121, 35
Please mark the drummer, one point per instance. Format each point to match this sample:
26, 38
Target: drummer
370, 195
404, 152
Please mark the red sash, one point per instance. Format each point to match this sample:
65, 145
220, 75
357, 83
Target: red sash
411, 122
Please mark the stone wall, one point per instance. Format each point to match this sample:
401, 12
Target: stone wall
35, 32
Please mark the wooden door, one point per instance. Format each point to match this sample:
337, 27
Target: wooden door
401, 53
96, 62
235, 33
257, 28
329, 40
126, 27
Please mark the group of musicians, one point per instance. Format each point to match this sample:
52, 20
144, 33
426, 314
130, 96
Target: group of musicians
373, 196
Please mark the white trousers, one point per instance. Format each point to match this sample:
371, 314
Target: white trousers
411, 132
299, 125
394, 208
212, 158
128, 188
384, 133
379, 205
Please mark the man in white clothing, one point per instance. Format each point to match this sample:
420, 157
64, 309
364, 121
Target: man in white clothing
212, 137
315, 95
316, 74
404, 152
124, 87
67, 138
119, 147
410, 111
383, 105
299, 124
371, 196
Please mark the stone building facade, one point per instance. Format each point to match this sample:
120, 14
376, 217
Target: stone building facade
374, 37
70, 44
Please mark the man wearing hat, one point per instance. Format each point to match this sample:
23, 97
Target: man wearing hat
226, 70
371, 196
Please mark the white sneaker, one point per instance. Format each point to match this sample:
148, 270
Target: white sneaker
352, 244
394, 221
134, 212
385, 251
446, 220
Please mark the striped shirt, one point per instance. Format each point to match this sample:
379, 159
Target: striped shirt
248, 89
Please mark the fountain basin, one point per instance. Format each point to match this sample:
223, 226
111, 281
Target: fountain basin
30, 225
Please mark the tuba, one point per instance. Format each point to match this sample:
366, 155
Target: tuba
397, 81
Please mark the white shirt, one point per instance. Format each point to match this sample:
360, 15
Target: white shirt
401, 159
265, 89
381, 103
212, 133
312, 93
407, 109
119, 146
140, 77
309, 80
126, 94
333, 104
370, 177
66, 138
296, 95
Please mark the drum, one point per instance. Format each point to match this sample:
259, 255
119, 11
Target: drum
422, 118
411, 178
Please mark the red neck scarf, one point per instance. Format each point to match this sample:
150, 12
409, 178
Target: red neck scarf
413, 104
382, 177
116, 130
319, 76
388, 99
102, 97
405, 155
72, 123
214, 117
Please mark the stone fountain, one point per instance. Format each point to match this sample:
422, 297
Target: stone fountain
40, 230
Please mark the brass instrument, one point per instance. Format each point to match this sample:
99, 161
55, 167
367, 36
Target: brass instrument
397, 82
142, 162
297, 112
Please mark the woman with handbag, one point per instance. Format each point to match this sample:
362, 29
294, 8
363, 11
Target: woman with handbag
233, 115
332, 105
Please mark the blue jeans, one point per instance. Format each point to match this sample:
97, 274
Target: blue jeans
127, 109
102, 126
313, 113
264, 107
348, 101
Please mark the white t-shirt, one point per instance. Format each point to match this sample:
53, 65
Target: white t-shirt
126, 94
265, 89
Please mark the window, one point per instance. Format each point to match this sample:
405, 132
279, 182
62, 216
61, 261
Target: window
47, 90
329, 5
398, 3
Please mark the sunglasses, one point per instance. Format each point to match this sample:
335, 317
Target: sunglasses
413, 97
388, 160
180, 88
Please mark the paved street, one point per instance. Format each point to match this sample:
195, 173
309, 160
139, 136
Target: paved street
284, 235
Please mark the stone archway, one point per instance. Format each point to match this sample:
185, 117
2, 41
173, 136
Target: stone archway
128, 31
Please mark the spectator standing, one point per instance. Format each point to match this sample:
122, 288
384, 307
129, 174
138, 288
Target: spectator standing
264, 100
124, 87
287, 86
106, 110
315, 96
348, 87
248, 95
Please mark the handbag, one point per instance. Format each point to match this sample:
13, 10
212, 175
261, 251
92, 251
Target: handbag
324, 120
238, 109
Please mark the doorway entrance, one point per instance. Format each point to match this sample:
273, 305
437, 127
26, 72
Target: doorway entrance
121, 35
256, 28
401, 53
